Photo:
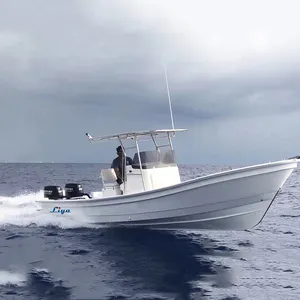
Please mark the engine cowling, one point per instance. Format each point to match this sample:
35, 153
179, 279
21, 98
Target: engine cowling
73, 190
53, 192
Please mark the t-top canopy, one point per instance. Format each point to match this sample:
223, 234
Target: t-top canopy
132, 135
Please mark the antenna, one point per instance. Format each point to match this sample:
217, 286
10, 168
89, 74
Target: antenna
169, 98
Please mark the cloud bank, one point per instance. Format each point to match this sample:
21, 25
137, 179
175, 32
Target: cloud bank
97, 66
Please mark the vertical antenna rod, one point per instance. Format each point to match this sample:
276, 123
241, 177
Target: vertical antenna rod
169, 99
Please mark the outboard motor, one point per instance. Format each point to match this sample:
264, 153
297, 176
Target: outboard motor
53, 192
73, 190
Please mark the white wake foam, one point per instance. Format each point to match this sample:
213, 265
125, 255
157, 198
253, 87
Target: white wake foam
11, 278
22, 210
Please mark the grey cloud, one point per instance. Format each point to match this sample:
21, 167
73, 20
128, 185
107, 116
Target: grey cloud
68, 68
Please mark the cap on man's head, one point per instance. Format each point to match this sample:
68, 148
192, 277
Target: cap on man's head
119, 149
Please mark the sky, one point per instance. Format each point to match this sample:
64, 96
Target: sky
71, 67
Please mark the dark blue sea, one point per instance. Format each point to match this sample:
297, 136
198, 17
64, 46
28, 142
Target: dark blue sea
42, 257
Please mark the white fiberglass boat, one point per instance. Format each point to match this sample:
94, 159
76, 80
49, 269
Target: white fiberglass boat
153, 195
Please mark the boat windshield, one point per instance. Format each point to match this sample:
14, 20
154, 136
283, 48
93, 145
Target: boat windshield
154, 159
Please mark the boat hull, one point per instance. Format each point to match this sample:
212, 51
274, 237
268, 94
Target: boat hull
231, 200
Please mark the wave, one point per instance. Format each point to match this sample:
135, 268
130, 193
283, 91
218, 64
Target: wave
12, 278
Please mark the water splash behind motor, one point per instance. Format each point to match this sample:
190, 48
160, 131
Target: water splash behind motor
22, 210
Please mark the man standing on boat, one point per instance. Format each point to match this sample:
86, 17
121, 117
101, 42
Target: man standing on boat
118, 164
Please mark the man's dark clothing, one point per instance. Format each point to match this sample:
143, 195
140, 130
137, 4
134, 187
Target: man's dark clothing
117, 163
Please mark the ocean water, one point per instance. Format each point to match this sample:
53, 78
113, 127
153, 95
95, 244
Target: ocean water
42, 257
